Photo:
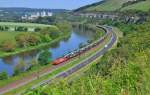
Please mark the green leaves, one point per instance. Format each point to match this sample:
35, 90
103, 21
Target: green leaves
44, 57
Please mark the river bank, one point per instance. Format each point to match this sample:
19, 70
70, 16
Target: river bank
31, 48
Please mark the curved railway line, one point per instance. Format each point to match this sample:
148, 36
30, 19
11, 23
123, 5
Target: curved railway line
87, 61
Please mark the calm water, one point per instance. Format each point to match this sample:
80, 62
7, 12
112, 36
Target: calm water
63, 47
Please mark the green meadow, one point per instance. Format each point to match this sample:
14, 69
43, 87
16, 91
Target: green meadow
9, 36
24, 24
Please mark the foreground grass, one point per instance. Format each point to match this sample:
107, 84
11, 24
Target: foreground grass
58, 70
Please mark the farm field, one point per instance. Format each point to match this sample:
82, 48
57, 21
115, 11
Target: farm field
24, 24
30, 27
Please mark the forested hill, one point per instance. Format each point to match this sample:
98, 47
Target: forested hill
22, 9
116, 5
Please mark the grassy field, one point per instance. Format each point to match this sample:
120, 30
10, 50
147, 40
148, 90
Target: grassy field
24, 24
143, 6
9, 35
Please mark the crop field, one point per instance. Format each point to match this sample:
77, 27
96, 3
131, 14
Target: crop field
24, 24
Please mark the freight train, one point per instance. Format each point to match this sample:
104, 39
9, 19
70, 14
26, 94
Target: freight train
108, 31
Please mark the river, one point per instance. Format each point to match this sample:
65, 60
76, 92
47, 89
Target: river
63, 47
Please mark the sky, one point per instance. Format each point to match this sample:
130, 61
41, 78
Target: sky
50, 4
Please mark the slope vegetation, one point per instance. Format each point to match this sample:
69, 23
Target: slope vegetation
106, 5
143, 6
114, 5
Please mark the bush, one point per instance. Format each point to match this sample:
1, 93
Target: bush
53, 32
3, 75
8, 46
44, 57
64, 26
37, 29
27, 39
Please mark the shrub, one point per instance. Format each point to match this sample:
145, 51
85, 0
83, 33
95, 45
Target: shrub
8, 46
3, 75
43, 58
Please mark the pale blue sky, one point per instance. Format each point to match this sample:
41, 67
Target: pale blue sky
53, 4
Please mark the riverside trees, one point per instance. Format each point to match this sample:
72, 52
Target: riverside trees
27, 39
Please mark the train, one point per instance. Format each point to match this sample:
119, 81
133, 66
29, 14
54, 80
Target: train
108, 31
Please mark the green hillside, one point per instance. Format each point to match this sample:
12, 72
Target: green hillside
108, 5
113, 5
143, 6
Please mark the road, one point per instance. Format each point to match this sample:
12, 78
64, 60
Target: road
64, 74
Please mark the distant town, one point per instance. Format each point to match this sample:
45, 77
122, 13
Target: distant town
19, 14
35, 15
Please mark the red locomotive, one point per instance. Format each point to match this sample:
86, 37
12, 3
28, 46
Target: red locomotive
59, 60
